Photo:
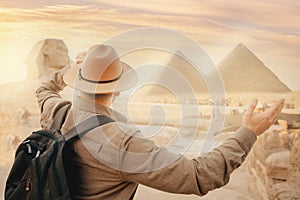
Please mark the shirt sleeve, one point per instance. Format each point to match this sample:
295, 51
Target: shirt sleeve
158, 168
49, 99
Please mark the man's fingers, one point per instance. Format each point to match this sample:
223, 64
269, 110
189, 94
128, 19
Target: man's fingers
273, 112
252, 107
279, 104
276, 108
264, 125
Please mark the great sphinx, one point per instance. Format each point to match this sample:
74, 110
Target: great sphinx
19, 111
46, 57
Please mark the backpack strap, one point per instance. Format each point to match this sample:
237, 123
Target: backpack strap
85, 126
60, 116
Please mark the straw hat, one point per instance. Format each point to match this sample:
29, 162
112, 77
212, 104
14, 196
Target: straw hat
101, 72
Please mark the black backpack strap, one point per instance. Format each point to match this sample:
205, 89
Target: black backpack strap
60, 116
87, 125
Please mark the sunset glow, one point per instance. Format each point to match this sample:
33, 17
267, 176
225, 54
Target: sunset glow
271, 29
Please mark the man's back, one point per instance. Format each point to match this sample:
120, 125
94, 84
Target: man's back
88, 177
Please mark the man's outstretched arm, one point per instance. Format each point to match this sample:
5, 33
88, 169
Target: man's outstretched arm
202, 174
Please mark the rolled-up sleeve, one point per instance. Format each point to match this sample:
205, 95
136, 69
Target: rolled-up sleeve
49, 99
182, 175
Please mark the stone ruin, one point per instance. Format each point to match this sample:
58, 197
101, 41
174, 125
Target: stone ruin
274, 164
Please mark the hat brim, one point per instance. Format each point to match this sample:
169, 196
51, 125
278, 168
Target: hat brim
128, 80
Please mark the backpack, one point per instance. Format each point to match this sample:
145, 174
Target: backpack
38, 172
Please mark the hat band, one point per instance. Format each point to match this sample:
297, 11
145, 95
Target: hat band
93, 81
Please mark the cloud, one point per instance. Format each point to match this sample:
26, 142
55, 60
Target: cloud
109, 20
270, 28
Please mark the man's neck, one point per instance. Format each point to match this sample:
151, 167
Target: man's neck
100, 101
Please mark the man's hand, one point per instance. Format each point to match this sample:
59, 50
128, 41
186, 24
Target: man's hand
259, 123
80, 57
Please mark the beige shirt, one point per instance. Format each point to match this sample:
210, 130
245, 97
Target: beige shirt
110, 161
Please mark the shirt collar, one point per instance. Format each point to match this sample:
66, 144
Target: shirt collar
91, 106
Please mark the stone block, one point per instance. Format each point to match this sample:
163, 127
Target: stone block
278, 165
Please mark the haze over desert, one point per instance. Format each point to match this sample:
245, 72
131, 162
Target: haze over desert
245, 49
170, 121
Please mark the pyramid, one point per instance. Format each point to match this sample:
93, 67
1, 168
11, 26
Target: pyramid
188, 76
178, 79
242, 71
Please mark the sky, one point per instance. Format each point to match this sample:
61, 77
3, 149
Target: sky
269, 28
